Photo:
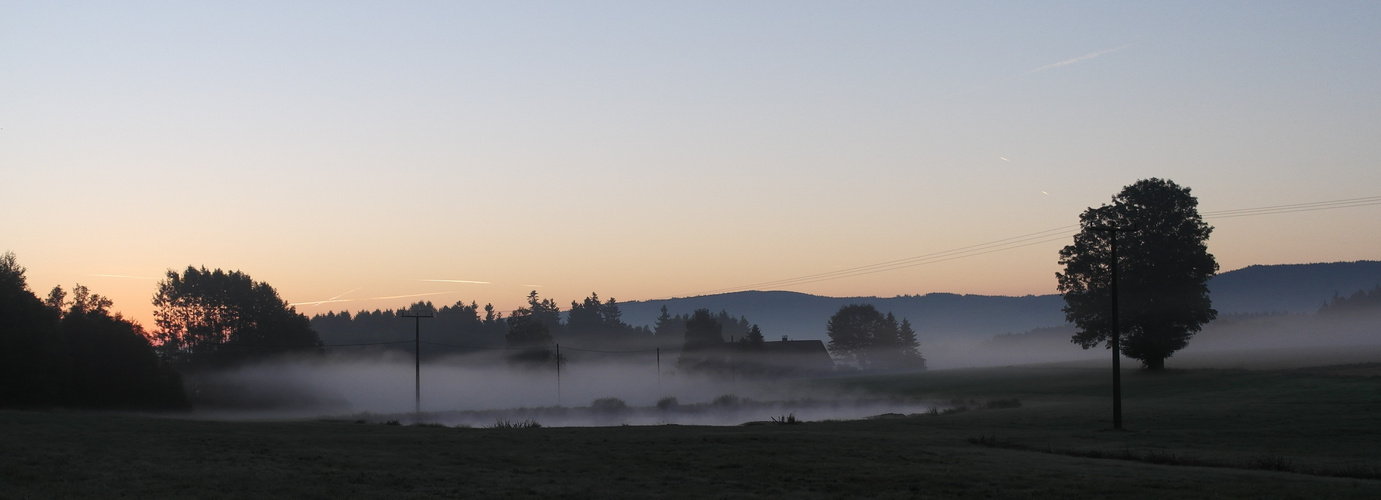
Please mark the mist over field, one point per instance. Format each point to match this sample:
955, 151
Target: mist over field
481, 389
1232, 341
478, 391
640, 387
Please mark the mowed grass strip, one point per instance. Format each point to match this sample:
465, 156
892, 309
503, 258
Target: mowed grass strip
1308, 419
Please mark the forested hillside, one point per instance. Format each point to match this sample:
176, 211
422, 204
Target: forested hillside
1290, 288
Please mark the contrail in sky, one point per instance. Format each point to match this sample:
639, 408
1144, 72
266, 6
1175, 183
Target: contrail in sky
320, 302
1065, 62
409, 295
344, 294
334, 300
458, 281
1082, 58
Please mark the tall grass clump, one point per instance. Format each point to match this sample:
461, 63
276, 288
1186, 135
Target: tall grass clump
510, 424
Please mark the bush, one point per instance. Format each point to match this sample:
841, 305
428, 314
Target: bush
727, 401
667, 404
993, 404
609, 405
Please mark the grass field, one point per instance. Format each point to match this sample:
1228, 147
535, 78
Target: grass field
1284, 433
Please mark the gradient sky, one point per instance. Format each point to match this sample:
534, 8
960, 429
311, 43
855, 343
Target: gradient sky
641, 150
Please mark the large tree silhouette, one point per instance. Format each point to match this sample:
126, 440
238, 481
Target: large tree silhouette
216, 318
112, 364
75, 353
1163, 268
529, 334
33, 370
704, 342
870, 340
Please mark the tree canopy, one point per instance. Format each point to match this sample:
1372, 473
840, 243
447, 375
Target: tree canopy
863, 336
217, 318
529, 333
76, 353
1163, 268
1361, 301
703, 348
30, 342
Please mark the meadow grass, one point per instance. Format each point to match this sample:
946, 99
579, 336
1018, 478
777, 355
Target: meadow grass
1190, 434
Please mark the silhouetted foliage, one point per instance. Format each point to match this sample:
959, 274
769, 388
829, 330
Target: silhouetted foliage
667, 325
215, 319
31, 361
608, 405
75, 354
597, 325
544, 311
113, 365
753, 340
455, 329
733, 328
1360, 301
529, 335
704, 342
703, 331
869, 340
1163, 267
669, 330
466, 329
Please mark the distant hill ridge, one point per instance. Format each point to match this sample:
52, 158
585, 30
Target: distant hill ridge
1284, 288
1290, 288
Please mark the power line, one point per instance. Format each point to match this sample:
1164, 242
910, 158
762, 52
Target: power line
458, 346
367, 343
1040, 237
1297, 207
979, 249
478, 348
610, 352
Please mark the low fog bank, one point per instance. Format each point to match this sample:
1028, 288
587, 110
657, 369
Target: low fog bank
479, 391
1233, 341
727, 409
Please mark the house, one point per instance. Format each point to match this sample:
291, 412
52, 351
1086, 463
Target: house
786, 358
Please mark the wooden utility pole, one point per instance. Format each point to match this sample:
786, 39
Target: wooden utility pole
1116, 331
417, 358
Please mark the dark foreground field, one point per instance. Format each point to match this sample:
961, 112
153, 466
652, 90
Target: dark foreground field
1298, 433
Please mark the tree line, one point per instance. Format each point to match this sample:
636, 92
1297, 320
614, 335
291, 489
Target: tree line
1361, 301
530, 332
69, 349
73, 352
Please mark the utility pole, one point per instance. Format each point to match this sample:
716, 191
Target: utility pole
558, 374
1116, 331
417, 358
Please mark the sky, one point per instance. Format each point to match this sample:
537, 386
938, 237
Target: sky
363, 155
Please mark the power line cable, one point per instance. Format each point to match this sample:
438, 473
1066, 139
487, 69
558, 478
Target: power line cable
1296, 207
608, 352
1047, 236
978, 249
